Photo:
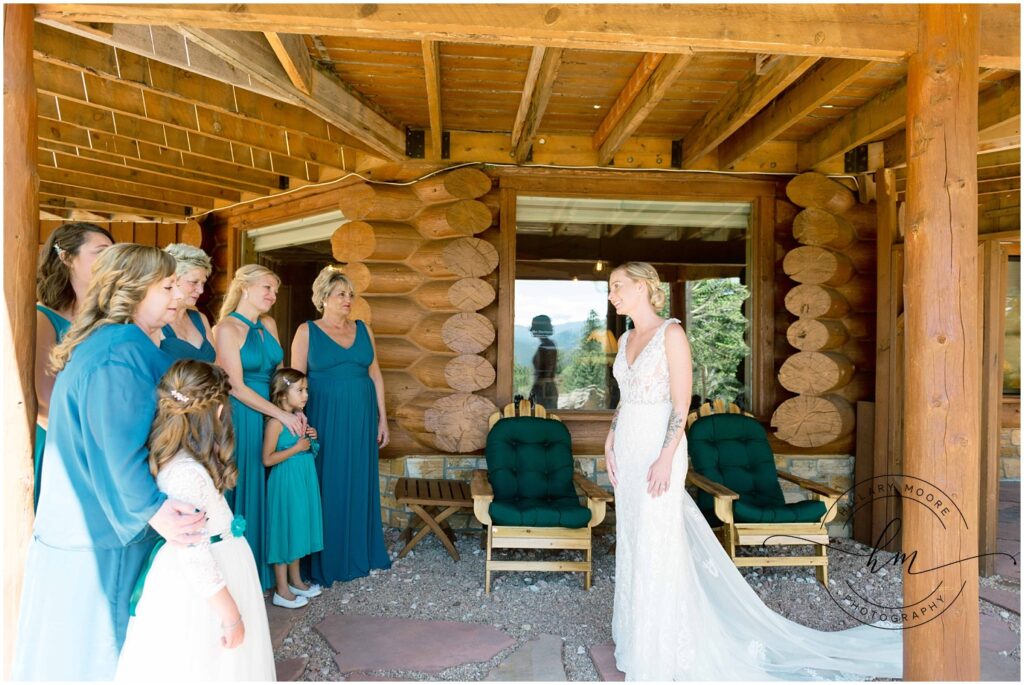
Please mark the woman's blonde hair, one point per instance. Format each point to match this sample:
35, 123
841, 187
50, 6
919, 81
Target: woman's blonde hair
120, 278
53, 276
244, 277
325, 281
281, 382
642, 272
189, 257
192, 415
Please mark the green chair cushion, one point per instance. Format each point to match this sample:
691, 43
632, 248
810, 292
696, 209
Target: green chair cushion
805, 511
530, 468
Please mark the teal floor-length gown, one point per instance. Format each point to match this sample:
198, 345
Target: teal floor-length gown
179, 348
343, 407
60, 328
91, 534
260, 355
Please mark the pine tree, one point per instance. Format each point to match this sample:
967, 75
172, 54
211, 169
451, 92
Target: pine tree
588, 364
717, 337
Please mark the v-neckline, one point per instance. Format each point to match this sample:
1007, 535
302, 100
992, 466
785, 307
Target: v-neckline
331, 338
631, 365
202, 333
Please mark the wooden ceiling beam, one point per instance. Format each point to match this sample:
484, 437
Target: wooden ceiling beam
72, 197
432, 74
662, 77
540, 79
876, 32
637, 80
825, 82
294, 58
872, 121
740, 104
328, 98
120, 187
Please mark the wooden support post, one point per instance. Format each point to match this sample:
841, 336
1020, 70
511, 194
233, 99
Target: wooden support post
21, 237
941, 443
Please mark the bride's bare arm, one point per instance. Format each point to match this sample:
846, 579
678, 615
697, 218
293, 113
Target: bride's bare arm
680, 381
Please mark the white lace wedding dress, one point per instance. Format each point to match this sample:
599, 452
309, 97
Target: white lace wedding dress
682, 610
175, 633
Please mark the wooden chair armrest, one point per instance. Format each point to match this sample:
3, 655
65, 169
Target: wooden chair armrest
810, 485
714, 489
483, 494
591, 489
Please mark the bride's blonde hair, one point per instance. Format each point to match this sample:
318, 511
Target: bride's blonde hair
192, 415
244, 277
120, 278
642, 272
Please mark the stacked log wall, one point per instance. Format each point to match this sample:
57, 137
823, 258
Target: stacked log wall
827, 362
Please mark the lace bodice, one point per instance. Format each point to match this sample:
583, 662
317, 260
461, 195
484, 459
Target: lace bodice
646, 381
186, 480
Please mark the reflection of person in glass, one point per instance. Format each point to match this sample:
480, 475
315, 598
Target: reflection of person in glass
545, 364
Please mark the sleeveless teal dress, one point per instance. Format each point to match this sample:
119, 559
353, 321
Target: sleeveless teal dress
260, 355
343, 407
183, 349
294, 517
60, 328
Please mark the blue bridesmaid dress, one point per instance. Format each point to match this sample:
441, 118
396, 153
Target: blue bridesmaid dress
343, 407
260, 356
60, 328
183, 349
91, 535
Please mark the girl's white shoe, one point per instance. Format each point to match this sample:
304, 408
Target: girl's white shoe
296, 603
313, 590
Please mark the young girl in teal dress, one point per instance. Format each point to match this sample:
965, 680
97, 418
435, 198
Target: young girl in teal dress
294, 517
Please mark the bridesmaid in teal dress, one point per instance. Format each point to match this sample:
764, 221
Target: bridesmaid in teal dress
62, 278
249, 351
188, 336
91, 535
346, 404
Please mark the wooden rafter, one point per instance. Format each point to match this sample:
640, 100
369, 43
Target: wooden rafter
740, 104
540, 78
884, 33
637, 80
71, 197
328, 98
141, 191
820, 85
646, 99
874, 120
432, 74
291, 53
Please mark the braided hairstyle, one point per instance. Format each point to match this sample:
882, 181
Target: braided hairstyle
121, 278
192, 416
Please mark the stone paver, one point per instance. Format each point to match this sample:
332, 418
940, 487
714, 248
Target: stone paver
996, 635
291, 670
281, 621
538, 660
370, 643
603, 656
1001, 598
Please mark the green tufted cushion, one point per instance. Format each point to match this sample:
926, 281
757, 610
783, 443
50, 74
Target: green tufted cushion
733, 450
530, 467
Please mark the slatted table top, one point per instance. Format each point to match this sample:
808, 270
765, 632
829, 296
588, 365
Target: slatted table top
433, 491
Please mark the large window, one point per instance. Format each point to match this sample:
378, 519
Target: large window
566, 332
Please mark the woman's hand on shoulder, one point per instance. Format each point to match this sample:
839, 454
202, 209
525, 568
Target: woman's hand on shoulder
179, 522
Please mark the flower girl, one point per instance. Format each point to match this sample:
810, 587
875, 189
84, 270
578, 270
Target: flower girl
294, 517
197, 611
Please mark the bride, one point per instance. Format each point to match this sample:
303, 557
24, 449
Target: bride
682, 610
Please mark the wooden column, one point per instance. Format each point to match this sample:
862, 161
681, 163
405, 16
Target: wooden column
21, 236
941, 443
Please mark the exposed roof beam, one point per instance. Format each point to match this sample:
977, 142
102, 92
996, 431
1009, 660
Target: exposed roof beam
294, 58
877, 32
329, 98
661, 79
637, 80
432, 74
71, 197
822, 84
540, 78
740, 104
139, 190
872, 121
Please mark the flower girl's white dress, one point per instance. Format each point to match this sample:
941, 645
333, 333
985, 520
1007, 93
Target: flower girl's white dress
175, 633
682, 609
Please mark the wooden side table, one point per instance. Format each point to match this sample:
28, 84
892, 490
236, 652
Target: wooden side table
432, 500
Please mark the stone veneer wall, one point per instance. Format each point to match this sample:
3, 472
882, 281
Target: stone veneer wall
833, 470
1009, 453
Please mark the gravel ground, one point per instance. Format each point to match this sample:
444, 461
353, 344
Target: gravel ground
427, 584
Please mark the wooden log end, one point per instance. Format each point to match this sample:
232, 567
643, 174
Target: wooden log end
809, 421
468, 333
469, 372
470, 257
815, 373
459, 422
812, 189
191, 233
471, 294
353, 241
818, 266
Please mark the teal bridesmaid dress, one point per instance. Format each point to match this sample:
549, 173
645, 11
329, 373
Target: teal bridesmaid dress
183, 349
60, 328
294, 516
260, 355
343, 407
